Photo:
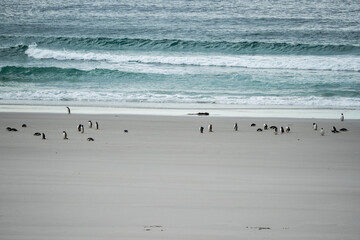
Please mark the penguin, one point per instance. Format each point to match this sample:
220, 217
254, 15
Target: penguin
315, 126
24, 125
282, 129
235, 127
90, 139
342, 117
126, 131
275, 131
334, 130
322, 132
287, 129
82, 128
65, 135
43, 136
210, 128
259, 130
90, 124
273, 127
253, 125
69, 112
37, 134
201, 129
344, 130
97, 125
265, 126
79, 128
11, 129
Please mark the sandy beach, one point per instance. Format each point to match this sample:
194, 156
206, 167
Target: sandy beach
163, 179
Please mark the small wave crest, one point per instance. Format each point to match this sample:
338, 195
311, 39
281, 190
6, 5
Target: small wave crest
114, 59
176, 45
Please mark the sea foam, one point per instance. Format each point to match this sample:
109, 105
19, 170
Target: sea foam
118, 59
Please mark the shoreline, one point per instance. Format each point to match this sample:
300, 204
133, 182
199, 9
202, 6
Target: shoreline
243, 112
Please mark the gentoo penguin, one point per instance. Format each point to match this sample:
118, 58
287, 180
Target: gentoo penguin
201, 129
37, 134
322, 132
65, 135
344, 130
11, 129
68, 110
96, 125
334, 130
253, 125
210, 128
126, 131
82, 128
275, 131
315, 126
79, 128
281, 129
43, 136
273, 127
265, 126
342, 117
259, 130
24, 125
235, 127
90, 124
90, 139
287, 129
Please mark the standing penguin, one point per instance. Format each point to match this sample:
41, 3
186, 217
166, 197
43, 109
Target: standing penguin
69, 112
201, 129
275, 130
265, 126
90, 124
79, 128
235, 127
315, 126
287, 129
43, 136
281, 129
97, 125
82, 128
210, 128
342, 117
65, 135
322, 132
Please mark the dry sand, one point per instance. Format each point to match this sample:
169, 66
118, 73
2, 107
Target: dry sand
165, 180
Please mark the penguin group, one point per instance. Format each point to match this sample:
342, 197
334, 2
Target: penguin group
333, 130
274, 128
265, 127
210, 128
281, 130
10, 129
80, 129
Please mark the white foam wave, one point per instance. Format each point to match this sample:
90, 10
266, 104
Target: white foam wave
141, 61
114, 97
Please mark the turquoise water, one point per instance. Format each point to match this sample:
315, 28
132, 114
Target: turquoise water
181, 53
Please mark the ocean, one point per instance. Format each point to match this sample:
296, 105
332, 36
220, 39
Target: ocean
181, 53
